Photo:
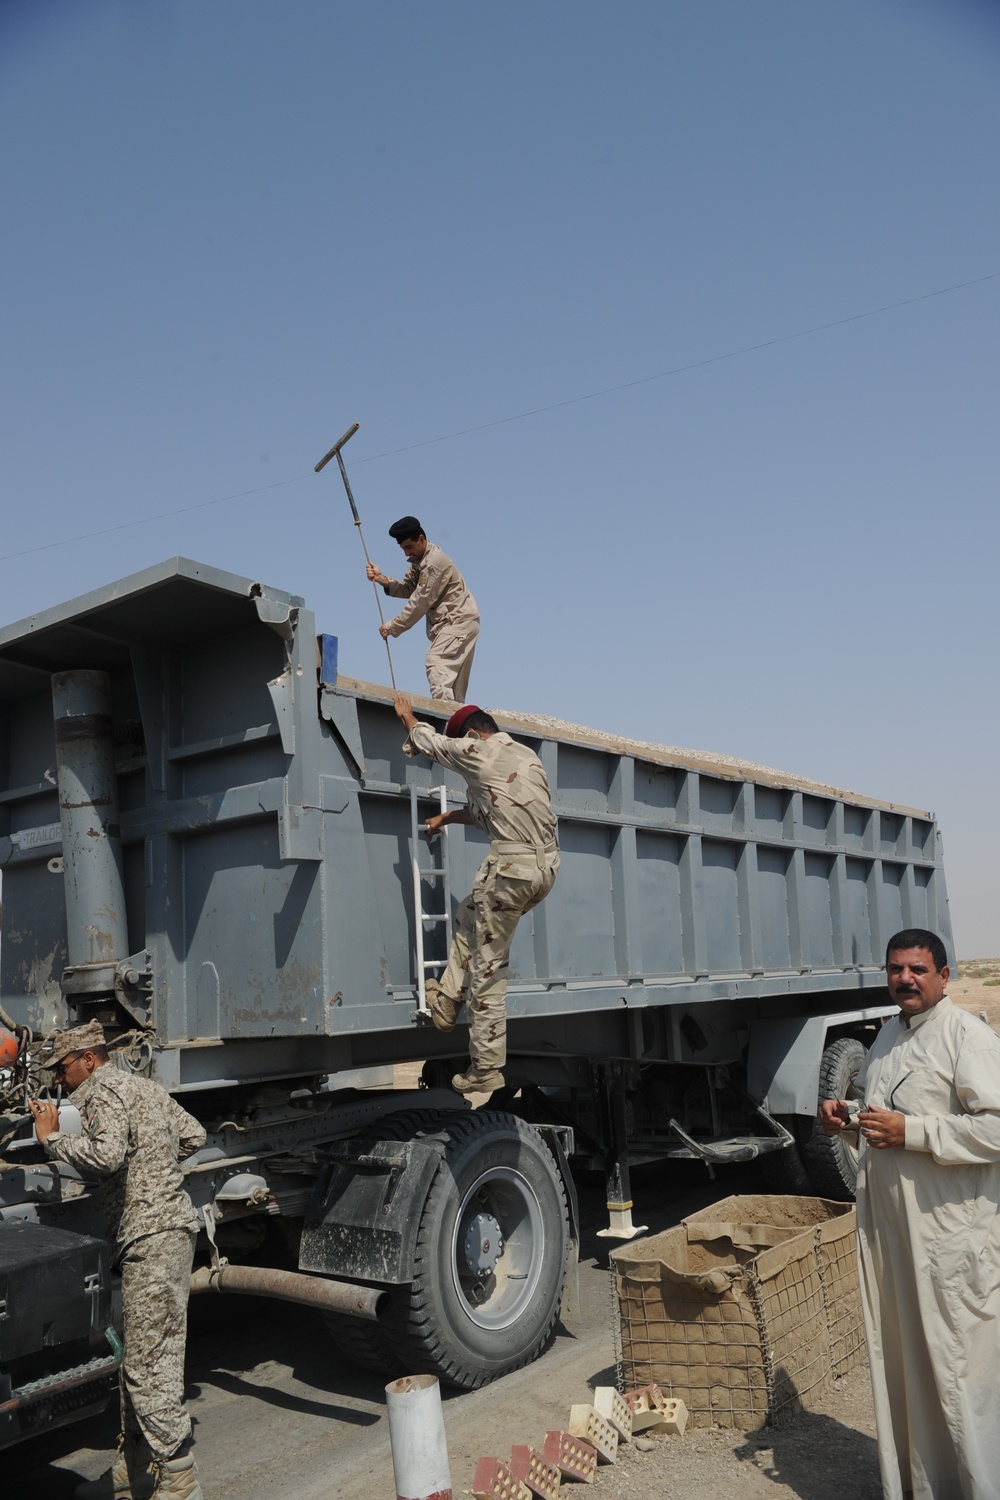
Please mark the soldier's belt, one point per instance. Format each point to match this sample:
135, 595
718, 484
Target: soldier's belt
539, 851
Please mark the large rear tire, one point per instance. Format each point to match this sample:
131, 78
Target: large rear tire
832, 1160
491, 1255
362, 1342
785, 1171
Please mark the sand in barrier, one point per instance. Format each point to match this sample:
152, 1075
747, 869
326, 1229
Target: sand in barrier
743, 1311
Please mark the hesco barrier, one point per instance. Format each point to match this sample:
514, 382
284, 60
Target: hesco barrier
745, 1310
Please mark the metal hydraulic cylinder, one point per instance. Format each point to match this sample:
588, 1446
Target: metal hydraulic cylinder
88, 812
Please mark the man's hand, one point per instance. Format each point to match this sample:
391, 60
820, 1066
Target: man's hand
882, 1127
383, 631
834, 1116
404, 710
46, 1117
375, 574
439, 820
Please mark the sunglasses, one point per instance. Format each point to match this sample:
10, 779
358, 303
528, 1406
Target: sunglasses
59, 1071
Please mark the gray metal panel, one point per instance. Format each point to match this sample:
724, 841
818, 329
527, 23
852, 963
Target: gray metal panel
265, 834
785, 1054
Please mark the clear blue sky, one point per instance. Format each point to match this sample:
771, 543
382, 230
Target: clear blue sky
234, 227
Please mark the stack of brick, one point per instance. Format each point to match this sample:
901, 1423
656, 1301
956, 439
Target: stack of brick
592, 1436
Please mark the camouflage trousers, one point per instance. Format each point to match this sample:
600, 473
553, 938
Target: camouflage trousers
156, 1278
510, 881
449, 662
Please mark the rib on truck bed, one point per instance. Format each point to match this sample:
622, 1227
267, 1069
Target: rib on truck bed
239, 893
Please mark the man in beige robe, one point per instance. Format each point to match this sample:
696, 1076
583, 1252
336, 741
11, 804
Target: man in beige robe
435, 589
929, 1232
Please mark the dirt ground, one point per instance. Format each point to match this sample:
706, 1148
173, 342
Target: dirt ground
977, 988
825, 1454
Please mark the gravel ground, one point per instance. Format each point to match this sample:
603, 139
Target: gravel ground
977, 988
825, 1454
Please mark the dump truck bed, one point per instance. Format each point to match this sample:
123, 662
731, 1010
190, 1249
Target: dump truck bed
266, 850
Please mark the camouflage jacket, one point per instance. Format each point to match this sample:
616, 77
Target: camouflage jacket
134, 1136
435, 588
509, 794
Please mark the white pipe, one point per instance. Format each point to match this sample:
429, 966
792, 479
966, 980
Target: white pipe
417, 1440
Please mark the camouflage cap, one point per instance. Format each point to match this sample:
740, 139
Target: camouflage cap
63, 1043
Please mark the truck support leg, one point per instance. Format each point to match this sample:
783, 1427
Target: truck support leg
88, 813
611, 1082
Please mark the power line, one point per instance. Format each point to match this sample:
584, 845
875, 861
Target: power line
183, 510
698, 364
534, 411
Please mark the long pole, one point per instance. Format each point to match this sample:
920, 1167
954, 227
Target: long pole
335, 453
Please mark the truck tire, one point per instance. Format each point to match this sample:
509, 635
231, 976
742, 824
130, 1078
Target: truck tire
831, 1160
785, 1171
491, 1255
363, 1342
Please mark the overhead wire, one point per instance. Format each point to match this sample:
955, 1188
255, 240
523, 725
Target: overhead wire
521, 416
163, 515
697, 364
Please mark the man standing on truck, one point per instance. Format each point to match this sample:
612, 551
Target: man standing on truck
133, 1137
435, 588
509, 799
929, 1232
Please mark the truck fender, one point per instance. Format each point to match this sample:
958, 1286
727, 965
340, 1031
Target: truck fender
363, 1218
784, 1056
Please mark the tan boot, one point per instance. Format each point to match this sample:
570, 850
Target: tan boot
129, 1477
444, 1010
478, 1080
114, 1483
177, 1479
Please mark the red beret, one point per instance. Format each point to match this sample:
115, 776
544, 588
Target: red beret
453, 728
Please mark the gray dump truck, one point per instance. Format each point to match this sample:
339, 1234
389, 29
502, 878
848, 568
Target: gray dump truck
210, 841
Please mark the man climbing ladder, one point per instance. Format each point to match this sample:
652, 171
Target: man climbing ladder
509, 799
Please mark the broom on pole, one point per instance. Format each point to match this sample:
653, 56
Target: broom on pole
336, 453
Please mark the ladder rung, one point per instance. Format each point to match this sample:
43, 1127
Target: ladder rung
435, 963
430, 873
433, 916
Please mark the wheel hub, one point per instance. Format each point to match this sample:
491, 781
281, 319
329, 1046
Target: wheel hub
483, 1244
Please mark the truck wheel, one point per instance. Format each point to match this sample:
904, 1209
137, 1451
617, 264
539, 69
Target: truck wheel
491, 1255
364, 1343
785, 1171
831, 1159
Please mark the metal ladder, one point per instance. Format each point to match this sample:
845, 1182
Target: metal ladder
439, 872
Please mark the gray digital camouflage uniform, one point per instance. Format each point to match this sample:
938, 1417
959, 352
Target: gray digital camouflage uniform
134, 1135
436, 589
509, 798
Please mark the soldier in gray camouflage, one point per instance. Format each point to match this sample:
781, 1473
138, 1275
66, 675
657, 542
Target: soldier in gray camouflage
133, 1138
509, 799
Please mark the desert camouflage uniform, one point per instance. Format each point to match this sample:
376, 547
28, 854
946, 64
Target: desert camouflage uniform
509, 799
134, 1135
435, 588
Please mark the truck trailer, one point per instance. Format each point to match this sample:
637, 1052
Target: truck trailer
210, 842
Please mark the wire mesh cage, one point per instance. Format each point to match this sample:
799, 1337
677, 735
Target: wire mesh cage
743, 1311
